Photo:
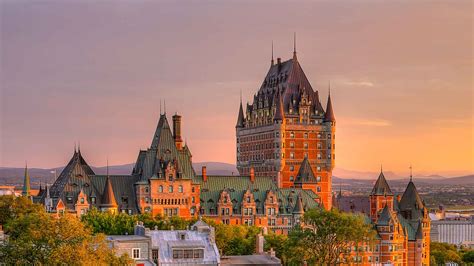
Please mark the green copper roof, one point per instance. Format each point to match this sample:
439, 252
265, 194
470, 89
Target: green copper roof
236, 186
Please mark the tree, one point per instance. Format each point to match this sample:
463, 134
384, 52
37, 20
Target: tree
235, 239
443, 252
35, 237
327, 236
468, 257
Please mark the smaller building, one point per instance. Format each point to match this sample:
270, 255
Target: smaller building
453, 231
169, 247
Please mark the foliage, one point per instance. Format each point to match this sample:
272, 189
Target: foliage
443, 252
468, 257
235, 239
326, 236
121, 223
35, 237
277, 243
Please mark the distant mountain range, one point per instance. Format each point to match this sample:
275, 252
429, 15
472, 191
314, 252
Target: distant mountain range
14, 176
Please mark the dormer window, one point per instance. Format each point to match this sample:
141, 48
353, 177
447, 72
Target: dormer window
248, 199
180, 189
82, 200
93, 200
160, 189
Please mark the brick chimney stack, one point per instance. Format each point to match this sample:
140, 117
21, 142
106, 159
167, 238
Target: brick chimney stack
204, 173
177, 131
252, 175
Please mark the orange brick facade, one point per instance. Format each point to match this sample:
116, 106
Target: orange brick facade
285, 124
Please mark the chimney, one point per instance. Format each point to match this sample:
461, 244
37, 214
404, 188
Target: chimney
204, 173
278, 179
252, 175
177, 131
139, 229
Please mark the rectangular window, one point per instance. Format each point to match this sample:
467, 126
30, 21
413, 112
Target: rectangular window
305, 135
198, 253
305, 145
292, 155
136, 253
154, 255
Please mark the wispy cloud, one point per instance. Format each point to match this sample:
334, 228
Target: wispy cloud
367, 122
359, 83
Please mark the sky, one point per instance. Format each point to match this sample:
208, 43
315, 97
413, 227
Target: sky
95, 72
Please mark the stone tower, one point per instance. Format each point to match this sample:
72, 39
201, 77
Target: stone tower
285, 124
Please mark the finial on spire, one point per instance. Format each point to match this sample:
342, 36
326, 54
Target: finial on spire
273, 62
294, 43
160, 106
329, 87
381, 169
74, 147
107, 166
79, 146
164, 106
411, 173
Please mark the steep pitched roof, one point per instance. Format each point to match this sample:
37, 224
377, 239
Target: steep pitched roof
381, 187
240, 119
161, 152
108, 197
329, 115
305, 173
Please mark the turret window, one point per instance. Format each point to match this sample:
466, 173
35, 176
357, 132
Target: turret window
170, 189
292, 155
305, 145
160, 189
292, 135
305, 135
180, 189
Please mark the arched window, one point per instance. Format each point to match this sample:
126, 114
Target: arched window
180, 189
160, 189
170, 189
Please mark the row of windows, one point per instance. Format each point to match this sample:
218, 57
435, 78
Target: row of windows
170, 188
266, 146
170, 201
188, 253
292, 134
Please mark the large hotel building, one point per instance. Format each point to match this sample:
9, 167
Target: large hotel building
285, 156
285, 125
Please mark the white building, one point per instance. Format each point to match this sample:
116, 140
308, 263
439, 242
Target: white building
457, 232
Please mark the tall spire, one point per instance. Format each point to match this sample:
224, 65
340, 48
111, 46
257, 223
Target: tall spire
294, 45
26, 182
273, 62
240, 119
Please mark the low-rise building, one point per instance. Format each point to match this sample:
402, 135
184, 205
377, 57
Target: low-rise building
453, 231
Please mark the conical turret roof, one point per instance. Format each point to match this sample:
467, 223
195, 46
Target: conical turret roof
240, 119
329, 115
411, 199
381, 187
299, 205
108, 197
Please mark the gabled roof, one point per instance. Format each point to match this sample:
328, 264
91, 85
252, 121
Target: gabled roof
161, 152
305, 173
381, 187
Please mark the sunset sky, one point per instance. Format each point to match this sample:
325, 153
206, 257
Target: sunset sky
95, 71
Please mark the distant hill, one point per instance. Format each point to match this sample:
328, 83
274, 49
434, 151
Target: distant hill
14, 176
